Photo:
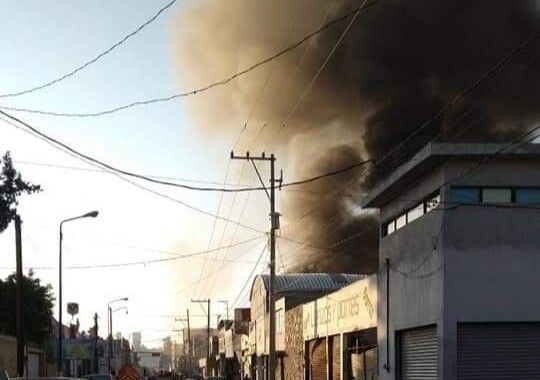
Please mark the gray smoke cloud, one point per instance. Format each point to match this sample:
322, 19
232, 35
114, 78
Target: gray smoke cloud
398, 65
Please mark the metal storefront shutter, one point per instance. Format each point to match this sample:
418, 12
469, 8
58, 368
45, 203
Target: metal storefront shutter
371, 363
336, 357
419, 354
364, 365
496, 351
318, 363
357, 366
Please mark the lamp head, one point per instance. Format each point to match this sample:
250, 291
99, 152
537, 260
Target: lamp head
91, 214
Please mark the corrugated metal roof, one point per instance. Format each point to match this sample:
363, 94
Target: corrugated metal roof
310, 282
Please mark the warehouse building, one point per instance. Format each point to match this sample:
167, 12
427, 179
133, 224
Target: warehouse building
340, 333
295, 289
460, 263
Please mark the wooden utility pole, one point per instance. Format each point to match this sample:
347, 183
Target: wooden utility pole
188, 341
19, 296
207, 301
96, 366
190, 352
274, 225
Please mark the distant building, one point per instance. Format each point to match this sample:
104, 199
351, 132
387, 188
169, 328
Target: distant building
136, 340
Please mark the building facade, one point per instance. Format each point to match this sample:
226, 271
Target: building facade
459, 264
340, 333
295, 289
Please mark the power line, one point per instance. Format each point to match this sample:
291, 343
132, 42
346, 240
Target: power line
196, 283
147, 262
284, 37
248, 280
154, 192
204, 88
93, 60
102, 171
325, 62
109, 168
491, 71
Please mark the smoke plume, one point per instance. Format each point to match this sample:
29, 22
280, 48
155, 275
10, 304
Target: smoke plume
397, 66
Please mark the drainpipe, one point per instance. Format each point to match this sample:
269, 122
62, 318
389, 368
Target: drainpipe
387, 365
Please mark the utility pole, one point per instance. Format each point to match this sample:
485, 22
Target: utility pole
208, 323
109, 338
19, 296
189, 346
96, 366
274, 225
188, 340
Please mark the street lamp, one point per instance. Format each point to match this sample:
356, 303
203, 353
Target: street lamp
111, 311
91, 214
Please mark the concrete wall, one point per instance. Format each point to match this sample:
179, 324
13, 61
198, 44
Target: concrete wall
415, 290
485, 266
8, 354
492, 260
36, 365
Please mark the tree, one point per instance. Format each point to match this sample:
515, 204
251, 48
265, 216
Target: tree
11, 187
37, 311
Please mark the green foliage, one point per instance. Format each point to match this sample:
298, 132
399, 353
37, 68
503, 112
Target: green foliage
11, 187
37, 308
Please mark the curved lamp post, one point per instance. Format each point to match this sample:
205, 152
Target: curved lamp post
91, 214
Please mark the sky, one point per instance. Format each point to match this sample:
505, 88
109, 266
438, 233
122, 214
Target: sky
46, 40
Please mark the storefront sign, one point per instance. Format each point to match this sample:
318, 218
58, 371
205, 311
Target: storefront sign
349, 309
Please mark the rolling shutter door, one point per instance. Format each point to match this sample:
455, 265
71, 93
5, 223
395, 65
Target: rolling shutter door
336, 357
371, 363
419, 354
497, 351
364, 365
318, 359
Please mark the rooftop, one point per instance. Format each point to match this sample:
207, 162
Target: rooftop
434, 155
310, 282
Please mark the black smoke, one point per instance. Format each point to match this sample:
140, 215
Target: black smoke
400, 63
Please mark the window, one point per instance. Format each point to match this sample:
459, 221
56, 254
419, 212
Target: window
415, 213
464, 195
401, 221
412, 214
496, 195
527, 196
390, 227
433, 202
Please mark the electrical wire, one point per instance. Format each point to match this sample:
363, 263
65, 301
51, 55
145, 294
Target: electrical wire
147, 262
93, 60
110, 168
204, 88
102, 171
149, 190
248, 280
195, 283
483, 76
322, 67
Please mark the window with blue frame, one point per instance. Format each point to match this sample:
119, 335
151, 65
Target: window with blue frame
528, 196
464, 195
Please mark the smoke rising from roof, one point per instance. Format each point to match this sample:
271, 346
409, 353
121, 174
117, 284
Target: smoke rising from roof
398, 65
